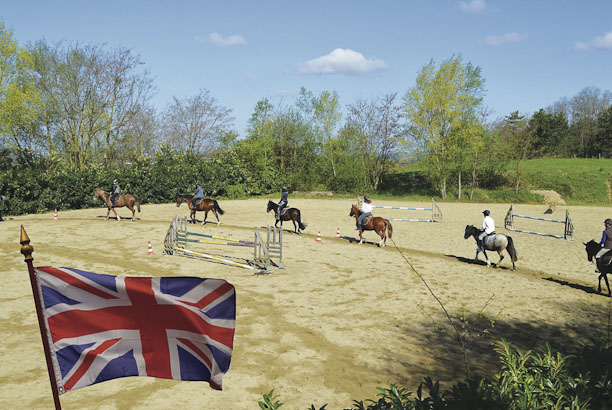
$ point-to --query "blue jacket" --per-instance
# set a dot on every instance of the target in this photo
(198, 193)
(284, 198)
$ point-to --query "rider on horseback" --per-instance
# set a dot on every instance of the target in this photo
(197, 196)
(115, 192)
(366, 210)
(606, 241)
(488, 228)
(282, 204)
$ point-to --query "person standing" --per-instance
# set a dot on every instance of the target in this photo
(488, 228)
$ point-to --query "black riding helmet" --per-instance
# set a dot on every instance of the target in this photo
(486, 212)
(608, 222)
(284, 189)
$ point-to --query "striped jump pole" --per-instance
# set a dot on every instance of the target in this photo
(213, 258)
(568, 232)
(436, 214)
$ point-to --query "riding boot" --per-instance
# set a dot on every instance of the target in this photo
(480, 245)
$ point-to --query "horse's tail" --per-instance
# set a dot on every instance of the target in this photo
(389, 228)
(217, 207)
(299, 220)
(512, 249)
(137, 200)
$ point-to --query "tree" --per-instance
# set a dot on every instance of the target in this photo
(196, 124)
(377, 130)
(444, 99)
(518, 140)
(603, 133)
(547, 131)
(327, 115)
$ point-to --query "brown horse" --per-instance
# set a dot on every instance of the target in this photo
(127, 200)
(380, 225)
(289, 214)
(205, 205)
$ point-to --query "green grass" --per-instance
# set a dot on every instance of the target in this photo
(578, 181)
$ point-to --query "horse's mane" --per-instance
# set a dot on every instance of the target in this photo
(185, 196)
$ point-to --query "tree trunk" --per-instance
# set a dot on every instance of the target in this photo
(459, 192)
(443, 188)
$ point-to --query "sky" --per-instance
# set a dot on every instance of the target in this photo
(531, 53)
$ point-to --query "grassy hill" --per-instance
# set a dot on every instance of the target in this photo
(578, 181)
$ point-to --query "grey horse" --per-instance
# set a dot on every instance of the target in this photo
(497, 242)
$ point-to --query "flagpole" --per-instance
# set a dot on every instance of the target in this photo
(26, 250)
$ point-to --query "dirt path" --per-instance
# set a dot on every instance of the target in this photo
(339, 321)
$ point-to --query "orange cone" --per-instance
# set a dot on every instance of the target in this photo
(55, 215)
(338, 233)
(150, 250)
(319, 237)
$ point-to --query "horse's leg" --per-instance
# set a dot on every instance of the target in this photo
(484, 252)
(599, 282)
(383, 238)
(216, 216)
(295, 230)
(107, 212)
(116, 215)
(131, 208)
(360, 235)
(501, 258)
(205, 216)
(607, 284)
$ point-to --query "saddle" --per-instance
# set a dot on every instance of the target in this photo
(486, 241)
(366, 220)
(605, 260)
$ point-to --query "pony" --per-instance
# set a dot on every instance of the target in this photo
(378, 224)
(605, 263)
(289, 214)
(497, 242)
(127, 200)
(205, 205)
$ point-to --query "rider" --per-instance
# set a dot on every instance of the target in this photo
(488, 228)
(115, 192)
(282, 204)
(197, 196)
(366, 210)
(606, 240)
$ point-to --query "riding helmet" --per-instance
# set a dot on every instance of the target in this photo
(608, 222)
(366, 198)
(284, 189)
(199, 184)
(115, 181)
(486, 212)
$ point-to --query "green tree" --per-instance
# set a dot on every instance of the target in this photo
(548, 130)
(518, 142)
(603, 134)
(442, 101)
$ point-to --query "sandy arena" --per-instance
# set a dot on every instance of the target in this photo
(338, 321)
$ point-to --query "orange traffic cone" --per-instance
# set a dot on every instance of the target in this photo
(55, 215)
(319, 237)
(338, 233)
(150, 250)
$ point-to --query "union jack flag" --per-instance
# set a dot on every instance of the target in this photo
(103, 327)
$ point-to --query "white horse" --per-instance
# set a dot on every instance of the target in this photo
(497, 242)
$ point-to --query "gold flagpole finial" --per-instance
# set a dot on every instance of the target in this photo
(26, 248)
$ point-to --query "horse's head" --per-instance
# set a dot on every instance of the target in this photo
(354, 210)
(469, 231)
(179, 201)
(271, 206)
(591, 248)
(99, 194)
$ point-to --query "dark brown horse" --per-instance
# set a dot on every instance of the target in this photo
(127, 200)
(289, 214)
(205, 205)
(604, 265)
(378, 224)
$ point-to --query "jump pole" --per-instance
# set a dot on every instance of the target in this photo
(436, 213)
(568, 232)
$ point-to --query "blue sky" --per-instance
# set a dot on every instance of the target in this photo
(531, 52)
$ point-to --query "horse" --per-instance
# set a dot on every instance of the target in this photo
(289, 214)
(497, 242)
(605, 263)
(205, 205)
(127, 200)
(378, 224)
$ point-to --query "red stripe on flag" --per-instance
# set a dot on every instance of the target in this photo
(212, 296)
(61, 275)
(86, 364)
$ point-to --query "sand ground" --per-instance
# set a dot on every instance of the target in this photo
(338, 321)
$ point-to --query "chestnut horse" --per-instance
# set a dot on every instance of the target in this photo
(378, 224)
(205, 205)
(127, 200)
(289, 214)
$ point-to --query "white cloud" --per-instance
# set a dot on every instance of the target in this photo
(342, 61)
(598, 43)
(474, 6)
(508, 38)
(218, 40)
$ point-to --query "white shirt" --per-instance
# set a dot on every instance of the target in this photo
(488, 225)
(365, 207)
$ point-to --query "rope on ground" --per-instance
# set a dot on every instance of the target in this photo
(459, 335)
